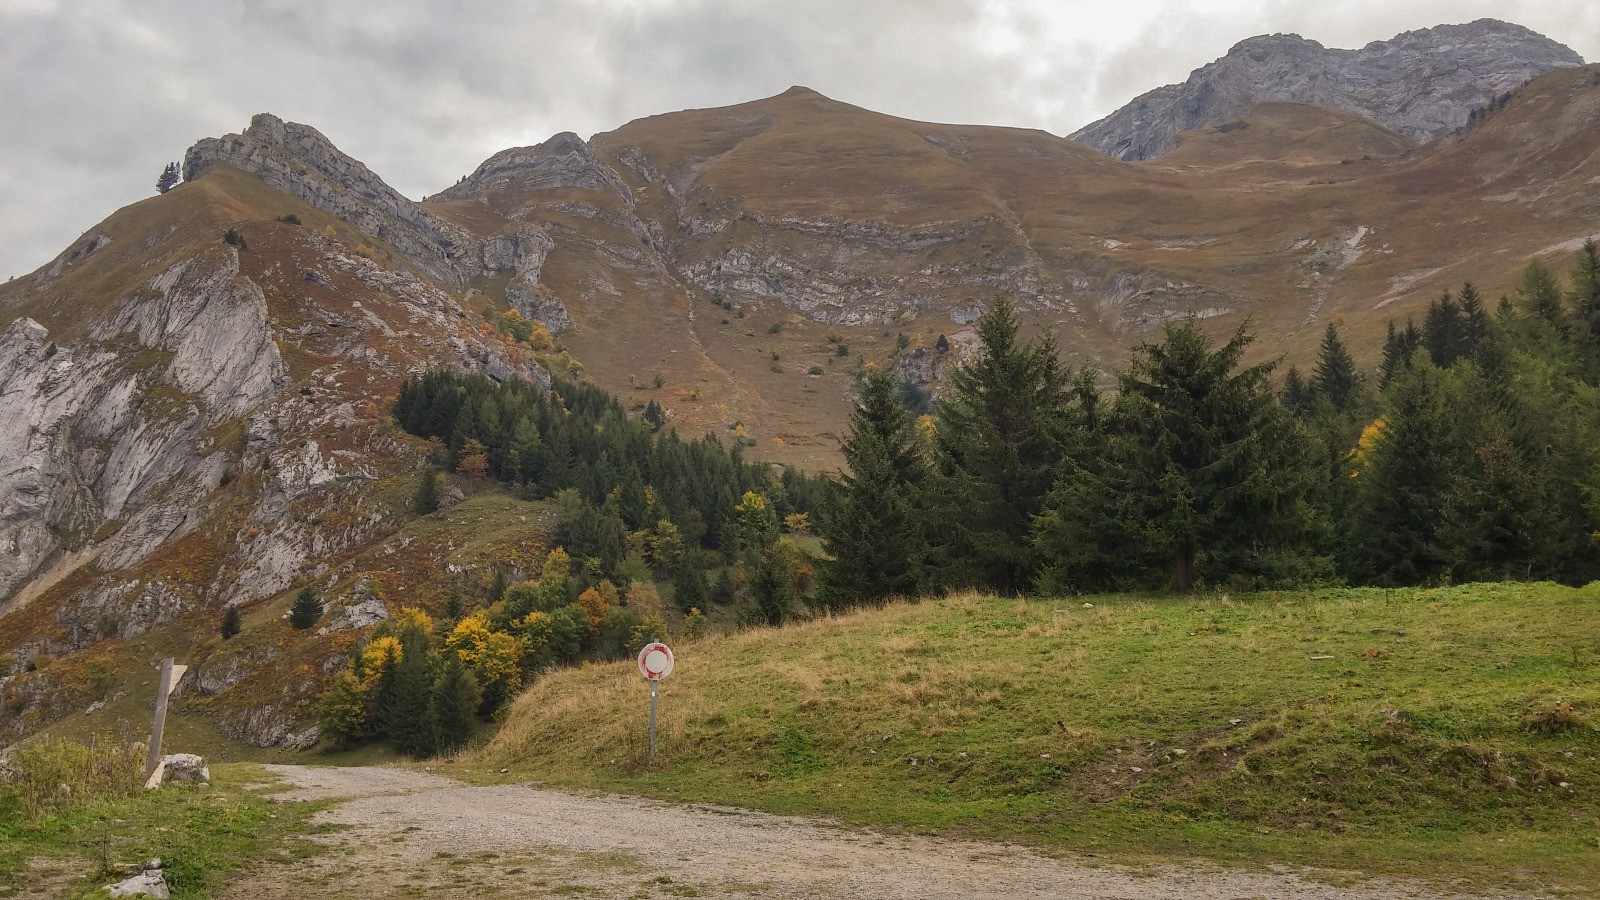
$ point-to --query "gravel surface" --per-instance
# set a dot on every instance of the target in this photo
(411, 834)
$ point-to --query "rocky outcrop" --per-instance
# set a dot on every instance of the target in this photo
(563, 161)
(298, 160)
(108, 429)
(1422, 84)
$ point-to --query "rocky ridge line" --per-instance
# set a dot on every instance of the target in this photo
(1422, 84)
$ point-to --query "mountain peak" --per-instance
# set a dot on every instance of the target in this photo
(1422, 84)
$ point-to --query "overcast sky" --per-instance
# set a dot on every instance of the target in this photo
(97, 95)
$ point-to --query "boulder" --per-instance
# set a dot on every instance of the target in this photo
(184, 768)
(148, 883)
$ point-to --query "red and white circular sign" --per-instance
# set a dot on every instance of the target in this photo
(655, 661)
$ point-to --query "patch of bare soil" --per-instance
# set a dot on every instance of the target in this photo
(409, 834)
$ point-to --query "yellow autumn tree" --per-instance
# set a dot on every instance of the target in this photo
(594, 607)
(411, 617)
(1362, 452)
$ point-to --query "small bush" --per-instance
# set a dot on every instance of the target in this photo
(232, 236)
(842, 350)
(232, 622)
(774, 328)
(290, 219)
(814, 370)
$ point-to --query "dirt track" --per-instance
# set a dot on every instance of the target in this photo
(411, 834)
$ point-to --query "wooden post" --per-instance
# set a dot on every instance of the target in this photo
(162, 691)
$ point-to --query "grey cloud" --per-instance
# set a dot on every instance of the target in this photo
(98, 96)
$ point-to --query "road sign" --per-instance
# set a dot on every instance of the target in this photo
(655, 661)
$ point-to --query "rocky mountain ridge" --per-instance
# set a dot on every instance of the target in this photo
(1422, 84)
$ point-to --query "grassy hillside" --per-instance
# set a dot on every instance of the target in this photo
(1408, 731)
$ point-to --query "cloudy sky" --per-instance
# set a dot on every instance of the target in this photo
(97, 95)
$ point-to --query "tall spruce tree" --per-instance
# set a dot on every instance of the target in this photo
(999, 437)
(1201, 466)
(875, 532)
(406, 721)
(1406, 485)
(1335, 376)
(452, 705)
(1398, 347)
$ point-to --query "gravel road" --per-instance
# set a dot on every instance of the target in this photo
(411, 834)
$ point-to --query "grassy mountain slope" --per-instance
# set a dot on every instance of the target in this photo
(1407, 731)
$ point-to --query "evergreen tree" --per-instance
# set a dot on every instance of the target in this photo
(451, 708)
(1405, 487)
(1298, 396)
(689, 584)
(1539, 295)
(1201, 466)
(1398, 348)
(426, 498)
(1335, 376)
(1474, 320)
(232, 621)
(169, 178)
(875, 531)
(772, 586)
(1444, 331)
(999, 439)
(723, 593)
(307, 608)
(406, 721)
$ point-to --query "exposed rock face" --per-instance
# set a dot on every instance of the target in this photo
(1422, 84)
(99, 429)
(298, 160)
(564, 161)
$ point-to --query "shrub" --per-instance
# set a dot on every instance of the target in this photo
(232, 236)
(290, 219)
(232, 622)
(774, 328)
(51, 774)
(814, 370)
(841, 350)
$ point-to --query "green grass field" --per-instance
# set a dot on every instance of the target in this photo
(1448, 734)
(72, 847)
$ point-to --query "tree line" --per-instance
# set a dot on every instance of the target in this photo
(1470, 454)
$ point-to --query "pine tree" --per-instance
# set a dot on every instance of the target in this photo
(1298, 396)
(1474, 320)
(1406, 486)
(426, 498)
(307, 608)
(169, 178)
(875, 532)
(1539, 294)
(1201, 465)
(999, 439)
(406, 720)
(1444, 331)
(723, 593)
(451, 708)
(232, 622)
(690, 587)
(1335, 376)
(1398, 347)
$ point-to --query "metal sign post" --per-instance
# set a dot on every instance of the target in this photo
(655, 664)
